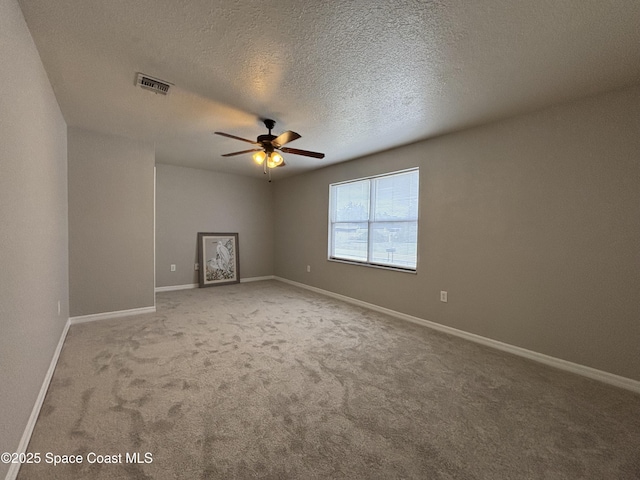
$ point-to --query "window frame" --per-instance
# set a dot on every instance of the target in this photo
(370, 222)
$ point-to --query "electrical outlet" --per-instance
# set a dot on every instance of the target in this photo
(308, 268)
(173, 267)
(443, 296)
(59, 308)
(196, 266)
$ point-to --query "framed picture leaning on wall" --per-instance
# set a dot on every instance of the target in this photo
(218, 259)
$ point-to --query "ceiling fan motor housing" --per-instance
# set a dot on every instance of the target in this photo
(265, 141)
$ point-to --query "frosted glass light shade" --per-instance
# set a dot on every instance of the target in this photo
(259, 157)
(274, 160)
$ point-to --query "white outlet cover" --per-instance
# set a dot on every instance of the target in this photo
(443, 296)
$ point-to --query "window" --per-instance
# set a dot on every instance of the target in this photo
(375, 220)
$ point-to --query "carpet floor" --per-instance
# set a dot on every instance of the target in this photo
(266, 380)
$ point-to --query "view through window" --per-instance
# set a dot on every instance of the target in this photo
(375, 220)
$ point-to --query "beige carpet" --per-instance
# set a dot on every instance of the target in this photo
(265, 380)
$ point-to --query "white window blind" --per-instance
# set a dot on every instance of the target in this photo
(375, 220)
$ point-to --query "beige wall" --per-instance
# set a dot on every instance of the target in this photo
(189, 201)
(531, 224)
(33, 226)
(111, 183)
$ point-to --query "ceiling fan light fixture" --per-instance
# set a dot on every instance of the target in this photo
(265, 154)
(259, 157)
(274, 160)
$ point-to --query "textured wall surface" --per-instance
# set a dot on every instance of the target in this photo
(110, 223)
(189, 201)
(33, 225)
(531, 224)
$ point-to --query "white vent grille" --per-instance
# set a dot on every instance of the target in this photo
(153, 84)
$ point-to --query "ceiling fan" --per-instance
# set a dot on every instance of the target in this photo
(266, 153)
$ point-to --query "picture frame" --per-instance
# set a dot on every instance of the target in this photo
(218, 259)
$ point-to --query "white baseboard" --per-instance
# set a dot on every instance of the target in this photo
(171, 288)
(103, 316)
(256, 279)
(14, 468)
(188, 286)
(605, 377)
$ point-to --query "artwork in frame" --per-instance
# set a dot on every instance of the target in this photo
(218, 258)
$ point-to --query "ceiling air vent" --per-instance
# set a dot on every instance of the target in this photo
(153, 84)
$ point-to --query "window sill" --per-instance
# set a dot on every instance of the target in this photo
(414, 271)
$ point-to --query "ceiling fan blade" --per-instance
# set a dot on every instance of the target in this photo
(306, 153)
(243, 151)
(237, 138)
(285, 137)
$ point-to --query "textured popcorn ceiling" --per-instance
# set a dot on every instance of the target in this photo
(352, 77)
